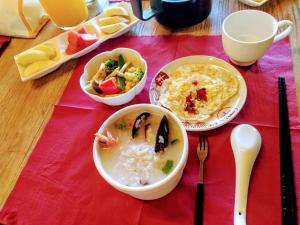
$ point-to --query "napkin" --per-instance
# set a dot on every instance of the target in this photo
(60, 184)
(21, 18)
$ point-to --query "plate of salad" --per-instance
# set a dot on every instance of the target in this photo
(114, 77)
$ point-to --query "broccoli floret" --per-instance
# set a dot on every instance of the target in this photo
(134, 76)
(139, 73)
(111, 63)
(131, 76)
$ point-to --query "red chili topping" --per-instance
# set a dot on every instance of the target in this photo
(195, 82)
(201, 94)
(160, 78)
(189, 97)
(189, 104)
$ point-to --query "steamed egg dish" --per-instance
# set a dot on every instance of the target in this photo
(195, 92)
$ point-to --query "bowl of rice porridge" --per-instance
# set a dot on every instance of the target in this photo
(141, 150)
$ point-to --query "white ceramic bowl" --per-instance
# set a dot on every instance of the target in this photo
(93, 65)
(156, 190)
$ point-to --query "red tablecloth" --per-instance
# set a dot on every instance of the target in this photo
(3, 40)
(60, 184)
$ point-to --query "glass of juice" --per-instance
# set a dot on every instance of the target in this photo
(66, 14)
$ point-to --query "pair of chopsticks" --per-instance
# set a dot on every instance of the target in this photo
(288, 196)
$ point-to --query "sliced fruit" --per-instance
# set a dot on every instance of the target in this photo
(30, 56)
(122, 19)
(79, 41)
(82, 30)
(37, 66)
(109, 29)
(112, 20)
(85, 40)
(92, 28)
(72, 42)
(116, 11)
(48, 49)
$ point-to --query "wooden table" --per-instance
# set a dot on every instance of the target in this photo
(27, 107)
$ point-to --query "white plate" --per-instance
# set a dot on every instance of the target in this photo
(60, 42)
(228, 111)
(253, 3)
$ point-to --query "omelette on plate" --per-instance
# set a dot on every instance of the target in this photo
(194, 92)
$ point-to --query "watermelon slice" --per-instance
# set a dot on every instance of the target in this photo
(78, 40)
(73, 42)
(86, 39)
(82, 30)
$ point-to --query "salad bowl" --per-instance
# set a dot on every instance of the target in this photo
(130, 56)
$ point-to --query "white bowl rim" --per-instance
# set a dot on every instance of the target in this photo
(111, 52)
(173, 173)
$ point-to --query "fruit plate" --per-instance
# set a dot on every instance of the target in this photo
(60, 43)
(228, 110)
(254, 3)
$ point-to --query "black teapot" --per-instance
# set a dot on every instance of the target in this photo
(174, 13)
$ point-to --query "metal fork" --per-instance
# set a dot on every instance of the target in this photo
(202, 152)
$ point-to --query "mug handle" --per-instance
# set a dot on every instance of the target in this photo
(154, 9)
(286, 32)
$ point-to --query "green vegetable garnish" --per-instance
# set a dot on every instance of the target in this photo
(122, 125)
(175, 141)
(110, 66)
(168, 167)
(111, 63)
(139, 73)
(121, 82)
(121, 61)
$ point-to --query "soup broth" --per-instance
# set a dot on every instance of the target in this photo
(133, 161)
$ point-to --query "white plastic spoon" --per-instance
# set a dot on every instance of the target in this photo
(245, 142)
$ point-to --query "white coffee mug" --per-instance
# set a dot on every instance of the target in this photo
(247, 35)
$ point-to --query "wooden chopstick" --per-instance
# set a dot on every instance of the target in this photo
(288, 196)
